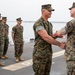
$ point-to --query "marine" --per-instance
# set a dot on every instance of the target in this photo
(17, 36)
(42, 53)
(69, 29)
(6, 39)
(2, 33)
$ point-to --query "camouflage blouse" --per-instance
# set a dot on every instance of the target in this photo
(41, 47)
(70, 44)
(6, 31)
(18, 34)
(2, 30)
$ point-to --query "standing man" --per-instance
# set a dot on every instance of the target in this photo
(2, 37)
(0, 17)
(17, 36)
(42, 54)
(69, 29)
(6, 40)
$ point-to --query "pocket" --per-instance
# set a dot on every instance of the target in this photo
(41, 54)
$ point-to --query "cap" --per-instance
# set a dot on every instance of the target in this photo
(4, 18)
(19, 19)
(47, 7)
(73, 6)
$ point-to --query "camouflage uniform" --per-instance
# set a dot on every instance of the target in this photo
(0, 21)
(0, 18)
(69, 29)
(18, 40)
(2, 32)
(6, 40)
(42, 54)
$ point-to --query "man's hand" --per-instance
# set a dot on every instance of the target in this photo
(55, 35)
(63, 45)
(58, 34)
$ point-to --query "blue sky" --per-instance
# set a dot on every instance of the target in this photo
(30, 10)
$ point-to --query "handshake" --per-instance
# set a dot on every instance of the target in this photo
(58, 34)
(62, 45)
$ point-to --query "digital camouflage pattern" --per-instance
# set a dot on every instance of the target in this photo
(18, 40)
(18, 49)
(2, 33)
(0, 21)
(6, 40)
(47, 7)
(42, 54)
(70, 44)
(70, 47)
(70, 67)
(73, 6)
(2, 29)
(6, 31)
(18, 34)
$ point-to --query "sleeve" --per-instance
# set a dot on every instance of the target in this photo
(38, 28)
(64, 30)
(13, 30)
(70, 27)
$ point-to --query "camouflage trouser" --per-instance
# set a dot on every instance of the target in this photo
(1, 46)
(42, 66)
(18, 49)
(70, 67)
(6, 42)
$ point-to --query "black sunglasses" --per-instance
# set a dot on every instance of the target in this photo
(49, 10)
